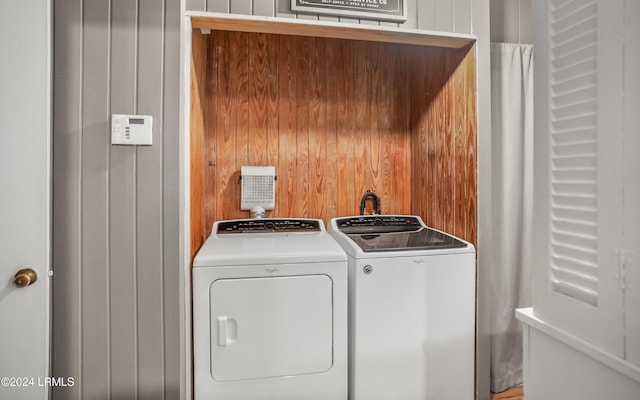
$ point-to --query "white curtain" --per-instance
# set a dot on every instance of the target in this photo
(512, 176)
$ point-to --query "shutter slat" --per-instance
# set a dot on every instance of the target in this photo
(574, 81)
(578, 121)
(568, 149)
(574, 162)
(574, 214)
(577, 56)
(574, 241)
(579, 95)
(576, 291)
(579, 175)
(584, 67)
(571, 109)
(573, 188)
(578, 36)
(579, 227)
(566, 200)
(566, 17)
(585, 281)
(574, 136)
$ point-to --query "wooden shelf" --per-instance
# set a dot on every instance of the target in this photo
(324, 29)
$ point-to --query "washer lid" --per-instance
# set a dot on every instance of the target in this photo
(385, 233)
(420, 239)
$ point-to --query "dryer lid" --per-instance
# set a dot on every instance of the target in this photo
(268, 241)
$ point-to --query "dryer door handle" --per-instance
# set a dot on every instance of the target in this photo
(227, 331)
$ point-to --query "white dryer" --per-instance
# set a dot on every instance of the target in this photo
(411, 309)
(270, 312)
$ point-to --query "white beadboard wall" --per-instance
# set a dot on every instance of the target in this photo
(511, 21)
(117, 304)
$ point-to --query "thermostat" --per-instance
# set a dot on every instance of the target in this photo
(131, 129)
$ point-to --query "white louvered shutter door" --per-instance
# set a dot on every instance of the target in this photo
(579, 147)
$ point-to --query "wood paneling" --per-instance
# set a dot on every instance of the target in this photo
(336, 117)
(197, 142)
(444, 140)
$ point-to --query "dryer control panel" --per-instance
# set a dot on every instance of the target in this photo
(268, 225)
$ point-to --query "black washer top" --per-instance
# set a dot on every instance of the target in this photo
(395, 233)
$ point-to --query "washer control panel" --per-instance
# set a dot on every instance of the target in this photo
(378, 223)
(268, 226)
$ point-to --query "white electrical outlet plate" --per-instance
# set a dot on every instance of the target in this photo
(131, 129)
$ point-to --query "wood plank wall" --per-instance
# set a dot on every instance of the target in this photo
(336, 117)
(445, 141)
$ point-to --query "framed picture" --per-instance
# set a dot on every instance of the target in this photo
(389, 10)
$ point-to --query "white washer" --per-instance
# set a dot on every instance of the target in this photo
(270, 312)
(411, 309)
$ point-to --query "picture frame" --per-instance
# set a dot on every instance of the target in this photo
(382, 10)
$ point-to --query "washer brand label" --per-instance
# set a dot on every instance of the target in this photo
(272, 270)
(419, 261)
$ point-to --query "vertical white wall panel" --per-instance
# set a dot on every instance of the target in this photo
(462, 16)
(196, 5)
(122, 201)
(426, 14)
(283, 8)
(243, 7)
(525, 28)
(94, 244)
(149, 290)
(444, 15)
(95, 182)
(511, 21)
(412, 10)
(169, 125)
(221, 6)
(264, 8)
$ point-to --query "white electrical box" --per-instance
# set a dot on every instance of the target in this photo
(131, 129)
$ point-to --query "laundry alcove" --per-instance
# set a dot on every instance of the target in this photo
(338, 109)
